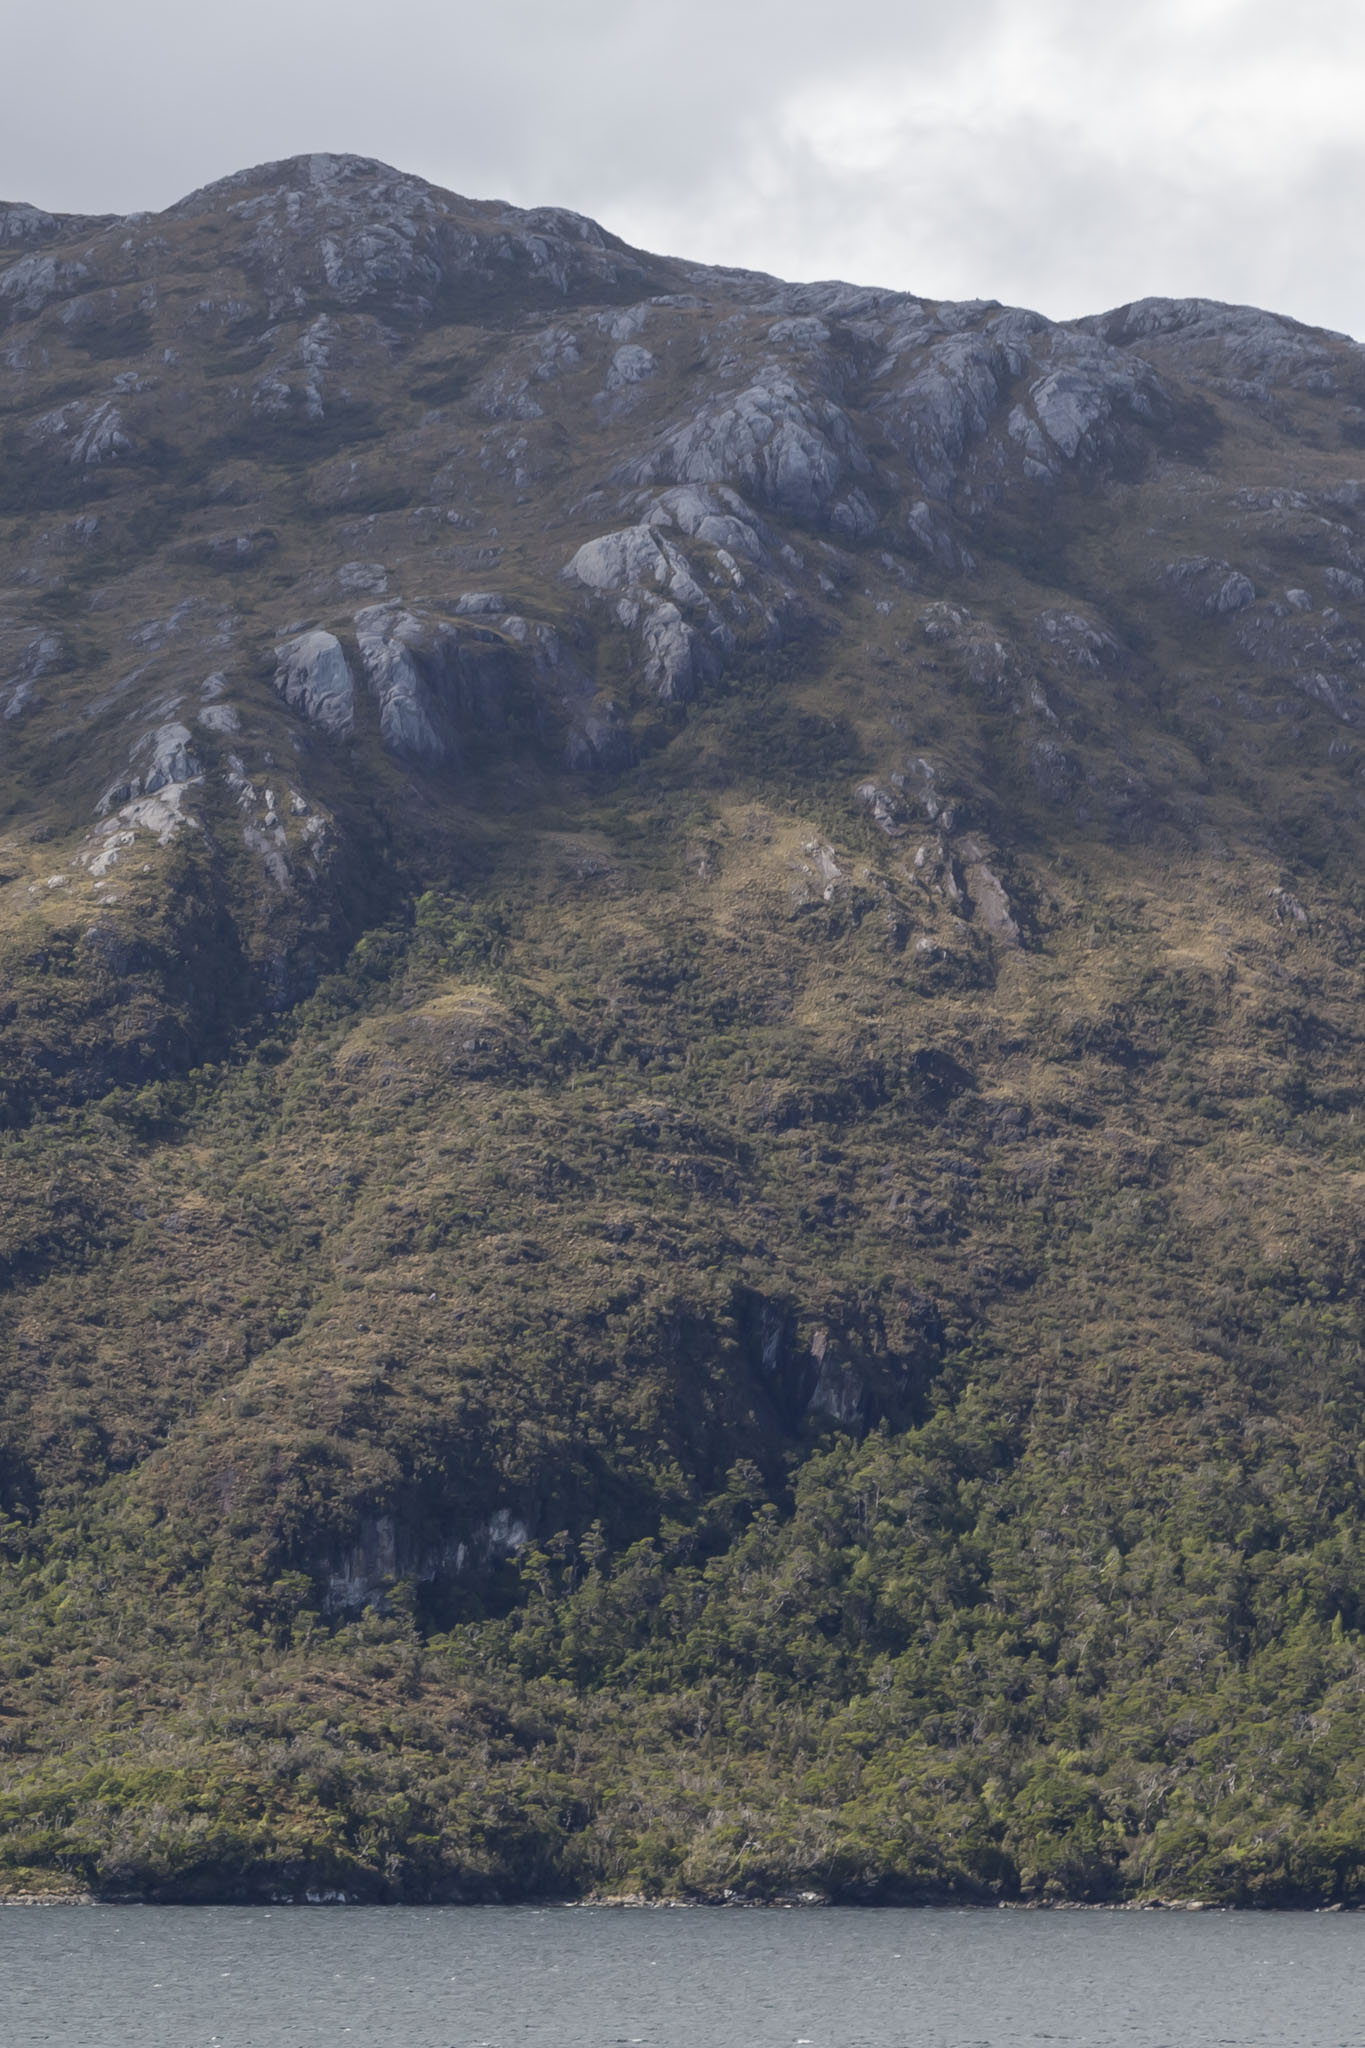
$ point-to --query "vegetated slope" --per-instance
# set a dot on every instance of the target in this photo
(682, 1166)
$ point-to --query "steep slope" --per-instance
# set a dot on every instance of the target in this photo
(682, 1177)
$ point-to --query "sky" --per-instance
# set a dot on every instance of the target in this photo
(1066, 155)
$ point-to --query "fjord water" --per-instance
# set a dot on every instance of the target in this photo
(210, 1977)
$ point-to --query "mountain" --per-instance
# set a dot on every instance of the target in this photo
(680, 1020)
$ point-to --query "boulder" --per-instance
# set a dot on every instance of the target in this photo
(631, 365)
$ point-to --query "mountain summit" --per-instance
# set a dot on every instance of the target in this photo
(680, 1072)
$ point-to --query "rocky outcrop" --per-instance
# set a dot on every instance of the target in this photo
(313, 675)
(297, 379)
(1208, 587)
(349, 231)
(718, 517)
(1244, 352)
(636, 557)
(947, 401)
(988, 895)
(794, 450)
(169, 757)
(87, 433)
(36, 282)
(631, 365)
(837, 1368)
(1078, 641)
(439, 683)
(161, 814)
(1088, 397)
(388, 639)
(364, 1572)
(29, 227)
(45, 654)
(689, 611)
(158, 760)
(652, 580)
(1317, 651)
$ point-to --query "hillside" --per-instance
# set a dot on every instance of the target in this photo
(680, 1073)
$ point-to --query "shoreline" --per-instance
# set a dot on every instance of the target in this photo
(635, 1902)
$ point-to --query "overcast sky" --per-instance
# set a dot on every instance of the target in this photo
(1061, 154)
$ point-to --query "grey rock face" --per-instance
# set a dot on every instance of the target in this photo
(887, 810)
(947, 377)
(88, 434)
(720, 518)
(1248, 352)
(1079, 408)
(557, 354)
(35, 282)
(641, 562)
(624, 323)
(440, 683)
(101, 437)
(635, 557)
(368, 579)
(792, 449)
(386, 637)
(1080, 642)
(1316, 651)
(631, 365)
(162, 761)
(30, 227)
(934, 538)
(945, 404)
(1335, 693)
(1055, 774)
(802, 332)
(1209, 587)
(220, 718)
(840, 1392)
(333, 224)
(362, 1573)
(676, 659)
(170, 758)
(44, 655)
(297, 380)
(351, 231)
(990, 900)
(313, 676)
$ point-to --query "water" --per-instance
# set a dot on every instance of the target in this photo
(211, 1977)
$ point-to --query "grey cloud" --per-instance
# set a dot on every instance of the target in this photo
(1043, 152)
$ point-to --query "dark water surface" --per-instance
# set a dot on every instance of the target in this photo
(412, 1977)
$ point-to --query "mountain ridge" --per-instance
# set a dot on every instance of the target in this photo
(681, 1072)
